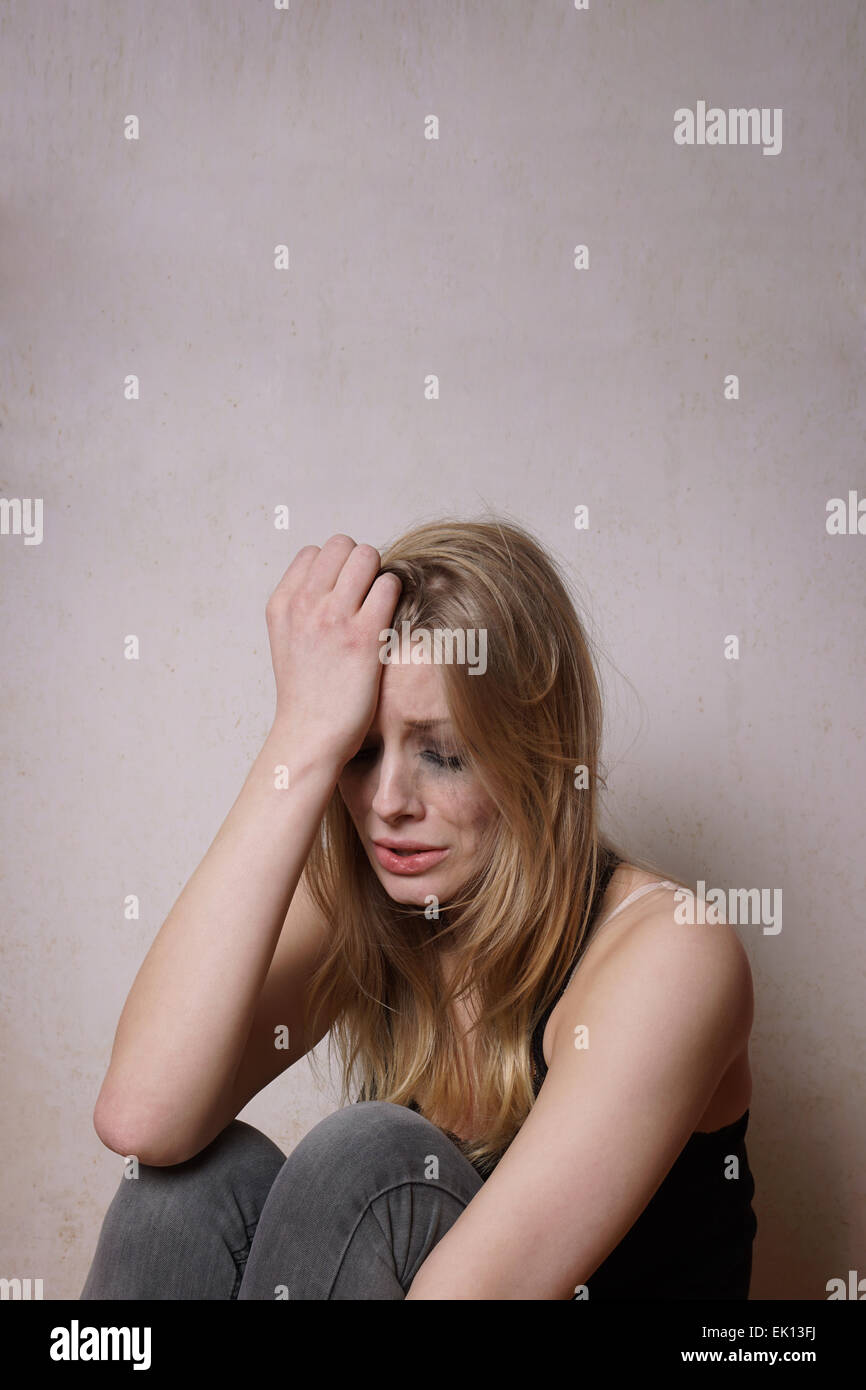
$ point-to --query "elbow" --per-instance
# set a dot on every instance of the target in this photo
(128, 1137)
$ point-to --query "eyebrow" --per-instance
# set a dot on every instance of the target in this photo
(425, 723)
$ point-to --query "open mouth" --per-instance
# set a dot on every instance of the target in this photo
(408, 859)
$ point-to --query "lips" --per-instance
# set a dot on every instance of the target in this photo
(407, 856)
(402, 846)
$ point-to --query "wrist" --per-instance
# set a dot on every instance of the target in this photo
(304, 760)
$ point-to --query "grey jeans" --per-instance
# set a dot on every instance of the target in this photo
(352, 1213)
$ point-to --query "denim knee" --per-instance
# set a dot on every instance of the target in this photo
(371, 1144)
(184, 1231)
(357, 1206)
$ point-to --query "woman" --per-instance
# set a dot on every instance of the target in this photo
(552, 1071)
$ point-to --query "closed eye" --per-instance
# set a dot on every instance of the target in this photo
(452, 762)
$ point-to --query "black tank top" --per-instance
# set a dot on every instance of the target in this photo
(694, 1238)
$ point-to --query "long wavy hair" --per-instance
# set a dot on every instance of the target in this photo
(530, 729)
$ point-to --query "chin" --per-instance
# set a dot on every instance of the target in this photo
(412, 894)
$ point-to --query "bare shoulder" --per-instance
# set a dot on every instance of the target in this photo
(659, 918)
(652, 950)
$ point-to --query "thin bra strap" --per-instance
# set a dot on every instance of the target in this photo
(638, 893)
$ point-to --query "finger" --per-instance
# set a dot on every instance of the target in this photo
(329, 561)
(297, 572)
(381, 601)
(356, 576)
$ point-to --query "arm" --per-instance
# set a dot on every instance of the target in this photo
(195, 1040)
(168, 1089)
(667, 1012)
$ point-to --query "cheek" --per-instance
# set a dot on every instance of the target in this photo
(485, 811)
(472, 811)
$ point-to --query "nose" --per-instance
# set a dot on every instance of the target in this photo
(396, 793)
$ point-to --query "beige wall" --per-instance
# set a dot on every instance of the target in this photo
(558, 386)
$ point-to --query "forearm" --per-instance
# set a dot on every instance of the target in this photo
(183, 1027)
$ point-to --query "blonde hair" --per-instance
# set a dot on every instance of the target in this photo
(525, 727)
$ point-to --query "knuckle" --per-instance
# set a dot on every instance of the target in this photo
(304, 600)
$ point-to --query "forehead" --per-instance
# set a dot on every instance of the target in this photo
(412, 691)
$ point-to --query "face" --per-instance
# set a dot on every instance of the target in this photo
(406, 788)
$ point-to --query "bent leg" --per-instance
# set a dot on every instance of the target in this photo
(357, 1207)
(185, 1231)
